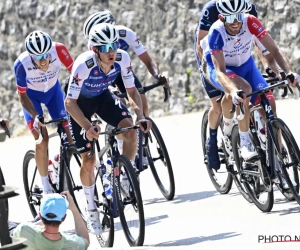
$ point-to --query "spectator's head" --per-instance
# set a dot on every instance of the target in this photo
(53, 209)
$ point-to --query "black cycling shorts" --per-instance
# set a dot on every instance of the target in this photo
(119, 83)
(107, 106)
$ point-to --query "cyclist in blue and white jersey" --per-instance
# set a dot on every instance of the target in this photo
(229, 64)
(88, 93)
(127, 39)
(36, 71)
(209, 15)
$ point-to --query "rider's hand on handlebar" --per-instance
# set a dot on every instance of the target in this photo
(113, 89)
(93, 132)
(37, 123)
(145, 125)
(167, 79)
(236, 99)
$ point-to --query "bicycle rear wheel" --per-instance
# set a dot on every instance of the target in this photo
(133, 199)
(221, 179)
(289, 159)
(167, 189)
(252, 184)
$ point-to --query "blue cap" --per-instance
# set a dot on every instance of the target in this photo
(55, 204)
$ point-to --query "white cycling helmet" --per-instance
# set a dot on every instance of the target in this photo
(38, 43)
(230, 7)
(102, 34)
(99, 17)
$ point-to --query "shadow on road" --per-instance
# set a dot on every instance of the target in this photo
(183, 198)
(195, 240)
(148, 221)
(289, 211)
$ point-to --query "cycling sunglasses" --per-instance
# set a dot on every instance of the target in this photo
(105, 48)
(38, 58)
(230, 19)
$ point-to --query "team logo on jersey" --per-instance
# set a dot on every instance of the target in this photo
(237, 42)
(137, 40)
(260, 29)
(90, 63)
(96, 72)
(119, 57)
(122, 33)
(129, 69)
(76, 79)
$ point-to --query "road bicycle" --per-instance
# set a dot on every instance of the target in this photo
(152, 146)
(259, 174)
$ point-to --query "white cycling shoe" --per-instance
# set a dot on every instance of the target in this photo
(93, 222)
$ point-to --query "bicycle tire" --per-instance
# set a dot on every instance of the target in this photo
(124, 161)
(267, 207)
(27, 158)
(2, 180)
(221, 188)
(292, 145)
(169, 195)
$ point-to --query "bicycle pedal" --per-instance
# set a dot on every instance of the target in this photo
(231, 170)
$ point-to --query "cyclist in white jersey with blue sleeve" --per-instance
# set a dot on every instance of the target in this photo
(88, 93)
(36, 71)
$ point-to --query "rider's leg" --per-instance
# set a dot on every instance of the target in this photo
(41, 154)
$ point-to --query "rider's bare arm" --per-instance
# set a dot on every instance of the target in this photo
(27, 104)
(135, 101)
(220, 66)
(201, 34)
(149, 63)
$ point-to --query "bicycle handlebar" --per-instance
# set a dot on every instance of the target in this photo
(111, 132)
(160, 81)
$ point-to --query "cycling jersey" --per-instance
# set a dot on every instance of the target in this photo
(128, 39)
(88, 81)
(237, 49)
(28, 76)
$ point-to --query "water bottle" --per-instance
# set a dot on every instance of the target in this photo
(261, 130)
(56, 166)
(51, 172)
(106, 182)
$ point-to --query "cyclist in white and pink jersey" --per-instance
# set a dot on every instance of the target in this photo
(36, 71)
(230, 66)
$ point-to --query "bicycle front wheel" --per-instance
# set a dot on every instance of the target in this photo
(290, 157)
(135, 234)
(167, 188)
(2, 180)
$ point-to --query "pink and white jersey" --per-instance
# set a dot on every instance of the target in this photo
(237, 49)
(28, 76)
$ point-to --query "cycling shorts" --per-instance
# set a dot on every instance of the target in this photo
(211, 91)
(119, 83)
(107, 106)
(53, 99)
(248, 71)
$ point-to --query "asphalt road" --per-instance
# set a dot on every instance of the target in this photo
(198, 217)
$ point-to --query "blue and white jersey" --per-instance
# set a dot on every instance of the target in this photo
(128, 39)
(88, 81)
(28, 76)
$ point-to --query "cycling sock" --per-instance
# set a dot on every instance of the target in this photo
(244, 138)
(89, 195)
(213, 135)
(46, 185)
(120, 145)
(228, 124)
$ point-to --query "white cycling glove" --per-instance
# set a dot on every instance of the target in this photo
(36, 122)
(235, 99)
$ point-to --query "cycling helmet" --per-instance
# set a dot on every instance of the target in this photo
(99, 17)
(229, 7)
(38, 43)
(102, 34)
(249, 6)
